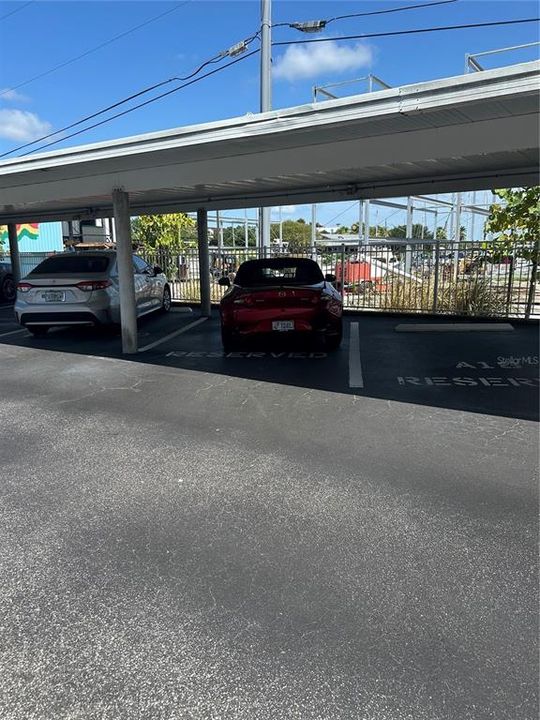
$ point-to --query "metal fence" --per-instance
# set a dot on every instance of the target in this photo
(424, 277)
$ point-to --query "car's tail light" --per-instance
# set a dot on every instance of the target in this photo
(243, 300)
(24, 287)
(89, 285)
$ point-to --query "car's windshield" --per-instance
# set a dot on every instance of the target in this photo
(283, 271)
(72, 263)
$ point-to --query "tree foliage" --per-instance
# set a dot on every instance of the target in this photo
(173, 232)
(516, 222)
(418, 231)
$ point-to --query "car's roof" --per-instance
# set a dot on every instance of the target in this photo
(280, 262)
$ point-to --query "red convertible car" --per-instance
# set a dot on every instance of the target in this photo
(279, 296)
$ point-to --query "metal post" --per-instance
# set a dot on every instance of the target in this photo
(14, 253)
(366, 222)
(532, 288)
(124, 259)
(313, 225)
(436, 277)
(246, 230)
(510, 284)
(457, 235)
(473, 216)
(280, 226)
(219, 234)
(266, 97)
(343, 271)
(204, 262)
(408, 234)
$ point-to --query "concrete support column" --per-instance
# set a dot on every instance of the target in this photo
(204, 262)
(14, 252)
(124, 256)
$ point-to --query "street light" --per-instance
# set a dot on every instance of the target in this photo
(312, 26)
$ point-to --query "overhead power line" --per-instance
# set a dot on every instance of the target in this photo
(321, 24)
(364, 36)
(17, 9)
(143, 104)
(94, 49)
(233, 51)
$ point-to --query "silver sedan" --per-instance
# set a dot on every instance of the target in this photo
(82, 289)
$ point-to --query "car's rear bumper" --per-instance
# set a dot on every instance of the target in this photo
(52, 317)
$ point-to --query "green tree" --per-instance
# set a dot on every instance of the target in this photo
(440, 233)
(418, 231)
(297, 234)
(516, 223)
(174, 232)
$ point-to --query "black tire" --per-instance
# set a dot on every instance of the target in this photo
(227, 340)
(166, 301)
(333, 340)
(38, 330)
(8, 290)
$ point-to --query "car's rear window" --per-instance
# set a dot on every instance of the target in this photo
(282, 271)
(72, 263)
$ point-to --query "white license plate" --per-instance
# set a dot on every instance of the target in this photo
(54, 296)
(283, 325)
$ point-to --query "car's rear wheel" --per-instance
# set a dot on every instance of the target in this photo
(8, 289)
(166, 301)
(38, 330)
(333, 339)
(227, 340)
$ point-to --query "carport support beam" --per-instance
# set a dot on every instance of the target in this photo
(204, 263)
(124, 258)
(14, 253)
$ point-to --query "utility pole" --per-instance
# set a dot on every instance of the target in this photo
(266, 99)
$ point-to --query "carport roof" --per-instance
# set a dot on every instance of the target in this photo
(467, 132)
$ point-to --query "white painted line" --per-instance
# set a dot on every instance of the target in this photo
(454, 327)
(181, 309)
(12, 332)
(172, 335)
(356, 379)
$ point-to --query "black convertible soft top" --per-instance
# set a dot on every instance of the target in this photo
(278, 271)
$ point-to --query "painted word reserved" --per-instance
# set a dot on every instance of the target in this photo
(441, 381)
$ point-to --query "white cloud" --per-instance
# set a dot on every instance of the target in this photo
(314, 60)
(288, 209)
(8, 95)
(22, 125)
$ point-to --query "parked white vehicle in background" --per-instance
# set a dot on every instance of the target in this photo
(82, 289)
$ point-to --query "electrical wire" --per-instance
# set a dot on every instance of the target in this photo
(147, 102)
(17, 9)
(94, 49)
(375, 12)
(144, 91)
(407, 32)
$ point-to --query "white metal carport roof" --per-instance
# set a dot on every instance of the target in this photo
(473, 131)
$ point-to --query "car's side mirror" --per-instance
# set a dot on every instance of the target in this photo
(330, 278)
(157, 270)
(224, 282)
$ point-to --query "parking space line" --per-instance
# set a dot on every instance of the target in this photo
(13, 332)
(454, 327)
(172, 335)
(356, 378)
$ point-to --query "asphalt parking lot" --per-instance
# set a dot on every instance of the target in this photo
(276, 533)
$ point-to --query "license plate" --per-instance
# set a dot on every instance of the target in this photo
(54, 296)
(283, 325)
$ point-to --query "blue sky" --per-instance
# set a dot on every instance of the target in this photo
(44, 34)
